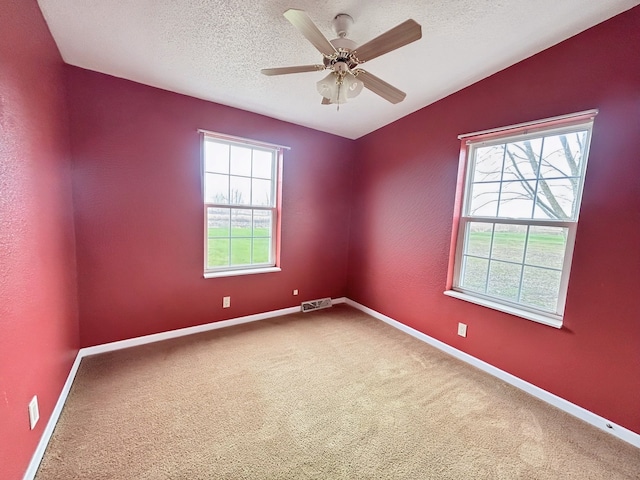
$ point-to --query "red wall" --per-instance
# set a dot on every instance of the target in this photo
(139, 214)
(38, 316)
(403, 208)
(383, 241)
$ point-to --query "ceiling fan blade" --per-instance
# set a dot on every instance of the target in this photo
(325, 101)
(397, 37)
(380, 87)
(296, 69)
(302, 22)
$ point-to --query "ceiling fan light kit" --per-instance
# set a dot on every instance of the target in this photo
(342, 56)
(337, 89)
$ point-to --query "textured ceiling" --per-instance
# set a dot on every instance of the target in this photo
(214, 49)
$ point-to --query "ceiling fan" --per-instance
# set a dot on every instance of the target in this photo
(343, 57)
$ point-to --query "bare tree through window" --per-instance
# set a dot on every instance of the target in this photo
(519, 216)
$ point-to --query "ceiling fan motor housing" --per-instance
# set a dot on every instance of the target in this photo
(343, 43)
(344, 47)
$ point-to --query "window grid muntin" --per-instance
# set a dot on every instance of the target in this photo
(570, 224)
(461, 262)
(273, 180)
(230, 237)
(275, 153)
(539, 132)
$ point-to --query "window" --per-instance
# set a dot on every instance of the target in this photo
(518, 214)
(241, 205)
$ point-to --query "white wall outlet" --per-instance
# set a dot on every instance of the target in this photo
(34, 412)
(462, 329)
(226, 302)
(295, 292)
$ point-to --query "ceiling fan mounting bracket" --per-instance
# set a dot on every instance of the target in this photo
(341, 24)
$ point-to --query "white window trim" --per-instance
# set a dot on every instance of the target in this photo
(519, 132)
(503, 307)
(231, 270)
(568, 119)
(241, 271)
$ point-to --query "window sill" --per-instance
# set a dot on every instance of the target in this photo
(551, 321)
(246, 271)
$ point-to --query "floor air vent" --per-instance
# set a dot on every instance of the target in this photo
(316, 304)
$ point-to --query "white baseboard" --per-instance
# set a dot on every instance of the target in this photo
(558, 402)
(181, 332)
(589, 417)
(53, 420)
(132, 342)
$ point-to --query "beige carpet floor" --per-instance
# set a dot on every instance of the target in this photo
(332, 394)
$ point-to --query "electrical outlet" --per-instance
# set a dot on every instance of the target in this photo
(226, 302)
(295, 292)
(462, 330)
(34, 412)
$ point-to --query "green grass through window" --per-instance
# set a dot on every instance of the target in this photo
(543, 249)
(501, 275)
(239, 248)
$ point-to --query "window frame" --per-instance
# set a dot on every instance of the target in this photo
(276, 209)
(462, 217)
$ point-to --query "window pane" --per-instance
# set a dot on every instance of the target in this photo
(261, 193)
(516, 200)
(218, 222)
(240, 161)
(240, 190)
(262, 164)
(236, 177)
(261, 223)
(479, 239)
(488, 164)
(240, 251)
(261, 250)
(508, 242)
(474, 273)
(240, 222)
(562, 155)
(504, 280)
(520, 188)
(522, 160)
(484, 199)
(216, 157)
(216, 188)
(540, 288)
(557, 199)
(217, 252)
(546, 246)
